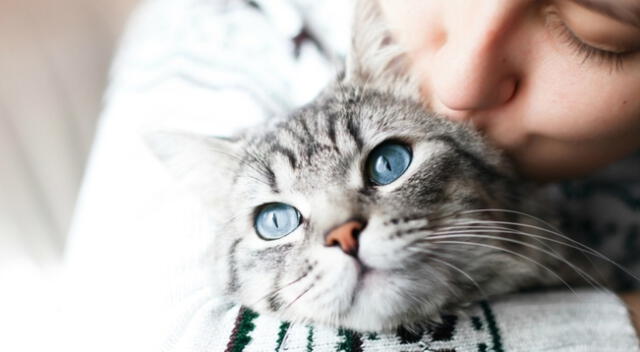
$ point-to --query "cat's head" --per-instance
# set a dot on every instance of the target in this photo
(338, 214)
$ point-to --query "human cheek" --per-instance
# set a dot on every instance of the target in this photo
(576, 102)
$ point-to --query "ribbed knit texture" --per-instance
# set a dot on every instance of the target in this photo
(555, 321)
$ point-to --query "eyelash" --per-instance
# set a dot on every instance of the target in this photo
(588, 52)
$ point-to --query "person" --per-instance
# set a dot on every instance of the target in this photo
(556, 84)
(560, 96)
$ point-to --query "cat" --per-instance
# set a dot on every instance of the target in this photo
(363, 209)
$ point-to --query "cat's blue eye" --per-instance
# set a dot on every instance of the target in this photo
(276, 220)
(387, 162)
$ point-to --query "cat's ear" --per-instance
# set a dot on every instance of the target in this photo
(375, 58)
(204, 164)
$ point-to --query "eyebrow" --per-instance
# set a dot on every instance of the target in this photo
(625, 11)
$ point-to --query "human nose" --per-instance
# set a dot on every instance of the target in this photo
(473, 69)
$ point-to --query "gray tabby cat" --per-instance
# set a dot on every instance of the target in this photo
(362, 209)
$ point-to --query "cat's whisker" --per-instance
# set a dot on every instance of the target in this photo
(446, 284)
(422, 251)
(273, 292)
(511, 223)
(299, 296)
(587, 253)
(577, 243)
(512, 253)
(588, 278)
(480, 211)
(583, 248)
(285, 338)
(475, 283)
(437, 229)
(510, 211)
(508, 230)
(436, 216)
(429, 218)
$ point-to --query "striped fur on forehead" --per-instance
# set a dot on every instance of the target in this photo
(329, 137)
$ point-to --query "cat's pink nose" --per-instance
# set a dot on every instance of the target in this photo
(346, 236)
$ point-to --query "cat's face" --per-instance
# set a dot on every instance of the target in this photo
(333, 215)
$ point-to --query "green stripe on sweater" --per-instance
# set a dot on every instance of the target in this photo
(282, 332)
(493, 327)
(351, 341)
(310, 339)
(240, 336)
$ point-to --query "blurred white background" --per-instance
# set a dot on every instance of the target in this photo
(54, 58)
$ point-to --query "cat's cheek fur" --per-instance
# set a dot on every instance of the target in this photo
(332, 286)
(382, 247)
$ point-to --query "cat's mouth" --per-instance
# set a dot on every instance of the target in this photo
(368, 278)
(363, 270)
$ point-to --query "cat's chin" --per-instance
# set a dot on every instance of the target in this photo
(382, 304)
(366, 298)
(379, 302)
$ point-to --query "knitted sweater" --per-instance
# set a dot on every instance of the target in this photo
(137, 264)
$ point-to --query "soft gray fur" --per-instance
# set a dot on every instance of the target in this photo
(406, 271)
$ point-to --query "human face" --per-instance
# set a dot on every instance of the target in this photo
(554, 83)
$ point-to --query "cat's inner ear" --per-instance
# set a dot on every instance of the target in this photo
(204, 164)
(375, 59)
